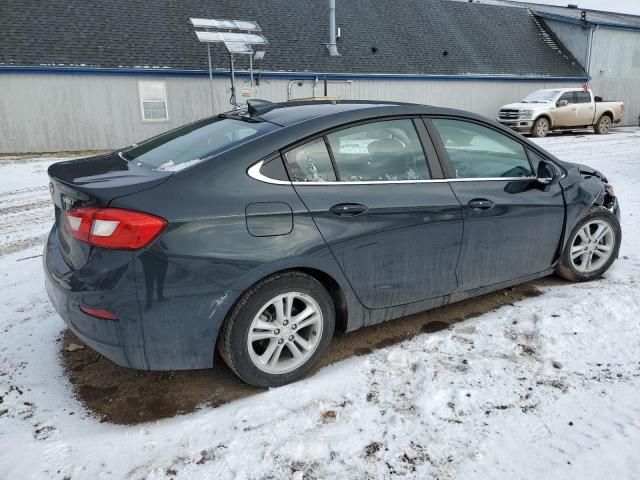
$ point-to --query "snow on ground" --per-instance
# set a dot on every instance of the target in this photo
(546, 388)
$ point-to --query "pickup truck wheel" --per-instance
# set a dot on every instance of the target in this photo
(603, 125)
(540, 127)
(592, 247)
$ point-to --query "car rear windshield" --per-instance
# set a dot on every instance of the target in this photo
(188, 145)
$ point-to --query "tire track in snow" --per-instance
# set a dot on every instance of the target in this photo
(25, 217)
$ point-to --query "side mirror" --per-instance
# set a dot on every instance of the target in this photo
(547, 173)
(562, 103)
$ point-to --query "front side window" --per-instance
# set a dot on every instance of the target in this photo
(153, 101)
(568, 96)
(379, 151)
(310, 162)
(476, 151)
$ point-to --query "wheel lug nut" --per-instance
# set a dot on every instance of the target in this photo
(294, 326)
(285, 323)
(280, 342)
(291, 338)
(276, 331)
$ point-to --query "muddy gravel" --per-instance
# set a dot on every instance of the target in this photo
(124, 396)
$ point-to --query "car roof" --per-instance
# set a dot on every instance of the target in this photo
(560, 89)
(290, 113)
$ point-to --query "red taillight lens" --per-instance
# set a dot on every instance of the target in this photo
(98, 312)
(114, 227)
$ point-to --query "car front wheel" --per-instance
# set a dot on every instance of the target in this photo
(278, 330)
(540, 127)
(592, 247)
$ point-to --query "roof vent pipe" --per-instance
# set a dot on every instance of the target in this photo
(333, 48)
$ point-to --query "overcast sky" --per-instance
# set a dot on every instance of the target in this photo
(622, 6)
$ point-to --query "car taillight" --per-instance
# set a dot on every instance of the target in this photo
(114, 227)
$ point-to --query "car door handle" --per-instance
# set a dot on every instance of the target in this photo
(480, 204)
(348, 209)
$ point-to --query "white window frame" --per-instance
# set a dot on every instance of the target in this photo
(141, 85)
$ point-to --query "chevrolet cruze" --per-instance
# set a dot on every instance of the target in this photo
(261, 232)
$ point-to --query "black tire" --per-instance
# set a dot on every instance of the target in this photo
(565, 267)
(540, 127)
(233, 335)
(603, 125)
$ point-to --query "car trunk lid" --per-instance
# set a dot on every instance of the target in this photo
(93, 182)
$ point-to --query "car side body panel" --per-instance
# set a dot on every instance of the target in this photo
(516, 237)
(402, 249)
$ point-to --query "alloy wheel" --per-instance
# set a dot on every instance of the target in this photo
(542, 128)
(285, 333)
(592, 246)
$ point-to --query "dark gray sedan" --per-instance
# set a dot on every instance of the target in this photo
(263, 231)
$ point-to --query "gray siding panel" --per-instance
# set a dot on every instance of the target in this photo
(615, 62)
(57, 112)
(574, 37)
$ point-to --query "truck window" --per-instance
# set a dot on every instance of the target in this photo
(568, 96)
(583, 97)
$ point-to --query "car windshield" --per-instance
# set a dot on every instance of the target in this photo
(188, 145)
(541, 96)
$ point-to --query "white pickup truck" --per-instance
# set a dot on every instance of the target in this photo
(560, 109)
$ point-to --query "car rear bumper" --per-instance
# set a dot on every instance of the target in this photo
(168, 319)
(78, 323)
(118, 340)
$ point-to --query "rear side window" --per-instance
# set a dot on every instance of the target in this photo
(476, 151)
(190, 144)
(379, 151)
(583, 97)
(311, 162)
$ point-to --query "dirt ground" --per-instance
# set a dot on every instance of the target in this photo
(124, 396)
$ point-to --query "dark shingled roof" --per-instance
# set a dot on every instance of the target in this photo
(411, 36)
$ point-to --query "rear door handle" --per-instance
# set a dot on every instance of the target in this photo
(348, 209)
(480, 204)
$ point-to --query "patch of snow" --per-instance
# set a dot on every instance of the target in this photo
(170, 166)
(545, 388)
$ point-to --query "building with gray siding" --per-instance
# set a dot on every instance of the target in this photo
(606, 44)
(84, 75)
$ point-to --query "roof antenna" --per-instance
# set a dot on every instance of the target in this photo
(255, 105)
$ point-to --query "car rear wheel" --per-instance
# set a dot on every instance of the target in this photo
(592, 247)
(278, 330)
(603, 125)
(540, 127)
